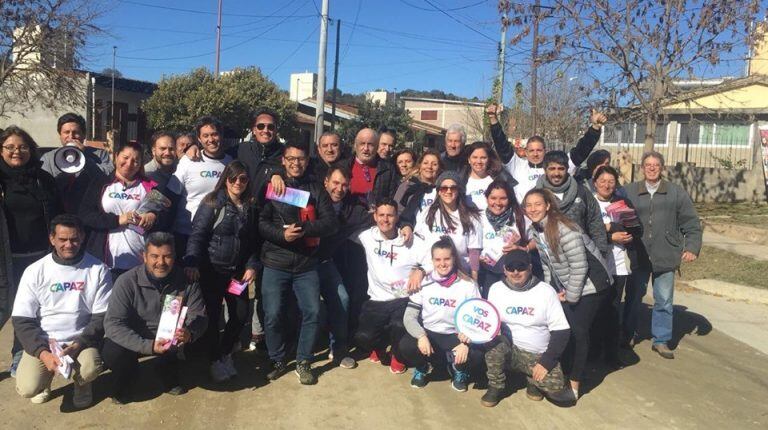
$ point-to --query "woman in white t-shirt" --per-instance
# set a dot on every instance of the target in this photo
(429, 320)
(109, 211)
(451, 216)
(622, 236)
(504, 229)
(483, 168)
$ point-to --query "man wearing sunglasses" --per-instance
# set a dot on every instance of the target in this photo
(292, 236)
(533, 337)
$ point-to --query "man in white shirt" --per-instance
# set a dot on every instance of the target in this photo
(534, 334)
(61, 303)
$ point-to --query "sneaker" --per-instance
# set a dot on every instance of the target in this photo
(375, 356)
(229, 365)
(82, 395)
(564, 398)
(492, 397)
(304, 372)
(219, 372)
(460, 380)
(533, 393)
(41, 397)
(176, 390)
(395, 366)
(419, 379)
(347, 363)
(278, 369)
(663, 350)
(15, 363)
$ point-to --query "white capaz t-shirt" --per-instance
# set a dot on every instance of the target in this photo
(125, 243)
(529, 315)
(464, 241)
(428, 199)
(475, 191)
(438, 303)
(63, 297)
(192, 180)
(617, 263)
(390, 263)
(527, 176)
(494, 241)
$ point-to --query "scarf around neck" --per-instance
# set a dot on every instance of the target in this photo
(498, 221)
(533, 280)
(446, 281)
(569, 188)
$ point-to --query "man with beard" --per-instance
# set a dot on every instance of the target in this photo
(163, 163)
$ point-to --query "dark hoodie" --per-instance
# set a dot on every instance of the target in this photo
(262, 161)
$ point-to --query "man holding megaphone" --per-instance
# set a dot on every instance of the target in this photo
(74, 165)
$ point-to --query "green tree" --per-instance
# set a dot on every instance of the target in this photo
(377, 117)
(179, 100)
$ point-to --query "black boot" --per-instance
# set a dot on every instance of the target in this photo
(533, 393)
(492, 397)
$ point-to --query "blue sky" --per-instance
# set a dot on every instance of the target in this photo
(392, 44)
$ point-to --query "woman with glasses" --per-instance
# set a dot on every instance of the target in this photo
(451, 216)
(418, 185)
(220, 254)
(575, 267)
(504, 229)
(28, 202)
(110, 211)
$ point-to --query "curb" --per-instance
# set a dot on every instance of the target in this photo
(730, 291)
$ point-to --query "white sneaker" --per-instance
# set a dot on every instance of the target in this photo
(229, 365)
(219, 372)
(83, 395)
(41, 397)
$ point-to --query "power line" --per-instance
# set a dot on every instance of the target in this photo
(311, 33)
(203, 12)
(447, 10)
(352, 32)
(437, 8)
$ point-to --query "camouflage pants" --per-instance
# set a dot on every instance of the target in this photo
(502, 356)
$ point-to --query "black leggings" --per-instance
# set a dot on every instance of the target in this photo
(381, 323)
(580, 316)
(606, 327)
(442, 344)
(214, 286)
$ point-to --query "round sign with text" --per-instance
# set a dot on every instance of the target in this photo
(478, 319)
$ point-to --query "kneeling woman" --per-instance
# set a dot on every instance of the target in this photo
(221, 250)
(435, 339)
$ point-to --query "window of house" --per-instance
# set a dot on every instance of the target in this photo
(720, 133)
(429, 115)
(630, 133)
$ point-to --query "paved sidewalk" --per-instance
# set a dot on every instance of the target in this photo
(737, 246)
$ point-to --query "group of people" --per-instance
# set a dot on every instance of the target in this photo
(389, 242)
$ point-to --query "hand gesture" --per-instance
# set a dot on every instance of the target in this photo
(127, 218)
(493, 110)
(597, 119)
(161, 346)
(50, 361)
(407, 233)
(182, 336)
(147, 220)
(414, 281)
(194, 153)
(249, 275)
(278, 185)
(424, 346)
(292, 232)
(72, 350)
(621, 237)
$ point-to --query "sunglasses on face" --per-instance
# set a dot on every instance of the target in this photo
(262, 126)
(446, 188)
(516, 267)
(240, 178)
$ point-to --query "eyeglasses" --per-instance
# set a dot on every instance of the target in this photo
(11, 149)
(262, 126)
(290, 160)
(243, 179)
(446, 188)
(516, 267)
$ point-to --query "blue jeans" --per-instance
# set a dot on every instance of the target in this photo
(306, 287)
(663, 284)
(336, 299)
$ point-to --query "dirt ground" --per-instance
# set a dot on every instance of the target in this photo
(715, 382)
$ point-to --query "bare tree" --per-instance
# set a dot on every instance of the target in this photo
(634, 49)
(41, 44)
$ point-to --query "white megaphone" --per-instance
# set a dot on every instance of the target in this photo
(69, 158)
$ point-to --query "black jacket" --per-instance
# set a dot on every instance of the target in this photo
(352, 216)
(455, 164)
(223, 235)
(296, 256)
(412, 200)
(262, 161)
(99, 222)
(386, 181)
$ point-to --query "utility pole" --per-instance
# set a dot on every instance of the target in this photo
(218, 42)
(112, 102)
(534, 69)
(320, 109)
(502, 49)
(335, 76)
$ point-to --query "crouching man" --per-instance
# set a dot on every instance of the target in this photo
(134, 314)
(60, 303)
(534, 335)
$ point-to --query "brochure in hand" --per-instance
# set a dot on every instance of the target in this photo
(169, 318)
(291, 196)
(65, 368)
